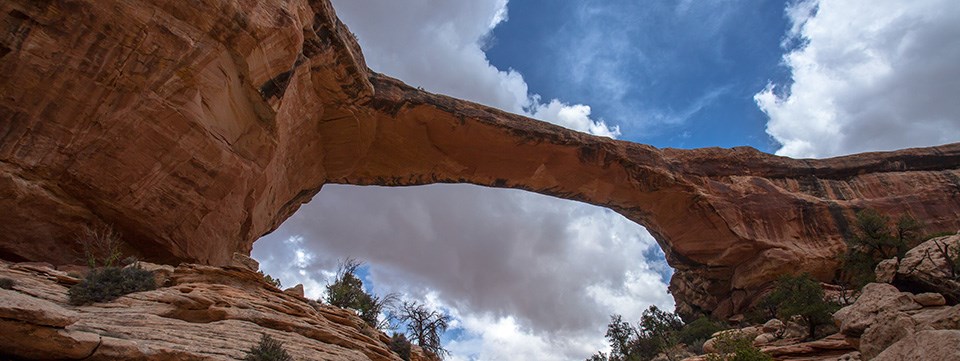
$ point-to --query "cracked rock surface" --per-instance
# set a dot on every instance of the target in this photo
(200, 313)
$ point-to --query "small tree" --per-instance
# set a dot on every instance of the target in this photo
(269, 349)
(802, 296)
(661, 327)
(347, 292)
(875, 240)
(622, 337)
(424, 326)
(657, 332)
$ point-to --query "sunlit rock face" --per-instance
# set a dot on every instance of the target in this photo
(195, 128)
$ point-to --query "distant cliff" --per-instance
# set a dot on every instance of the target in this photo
(195, 128)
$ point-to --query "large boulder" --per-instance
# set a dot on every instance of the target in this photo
(931, 266)
(875, 299)
(924, 345)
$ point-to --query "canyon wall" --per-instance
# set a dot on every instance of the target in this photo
(194, 129)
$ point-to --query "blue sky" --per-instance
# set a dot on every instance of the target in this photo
(532, 277)
(686, 74)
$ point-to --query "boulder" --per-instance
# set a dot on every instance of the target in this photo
(764, 338)
(886, 270)
(295, 290)
(924, 345)
(888, 328)
(929, 299)
(926, 267)
(874, 299)
(773, 326)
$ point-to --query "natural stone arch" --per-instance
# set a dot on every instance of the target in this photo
(728, 220)
(194, 138)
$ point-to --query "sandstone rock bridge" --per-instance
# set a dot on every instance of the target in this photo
(194, 128)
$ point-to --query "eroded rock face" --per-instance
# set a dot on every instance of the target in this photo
(195, 128)
(203, 313)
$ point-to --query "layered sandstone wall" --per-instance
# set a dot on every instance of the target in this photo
(196, 128)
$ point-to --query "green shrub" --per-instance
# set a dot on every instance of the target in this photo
(699, 330)
(7, 283)
(696, 346)
(875, 240)
(657, 332)
(400, 345)
(736, 346)
(107, 284)
(346, 291)
(802, 296)
(269, 349)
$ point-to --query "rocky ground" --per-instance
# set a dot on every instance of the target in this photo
(884, 323)
(199, 313)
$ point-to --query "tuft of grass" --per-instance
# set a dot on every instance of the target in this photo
(7, 283)
(269, 349)
(107, 284)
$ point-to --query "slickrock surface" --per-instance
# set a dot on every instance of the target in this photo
(194, 128)
(201, 313)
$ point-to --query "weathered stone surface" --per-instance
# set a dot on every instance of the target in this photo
(925, 268)
(750, 332)
(874, 299)
(206, 313)
(195, 128)
(888, 328)
(773, 326)
(243, 261)
(295, 290)
(886, 270)
(924, 345)
(883, 316)
(20, 307)
(38, 342)
(832, 347)
(929, 299)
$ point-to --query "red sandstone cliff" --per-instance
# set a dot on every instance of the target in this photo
(196, 128)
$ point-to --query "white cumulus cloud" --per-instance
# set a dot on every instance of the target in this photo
(439, 46)
(867, 75)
